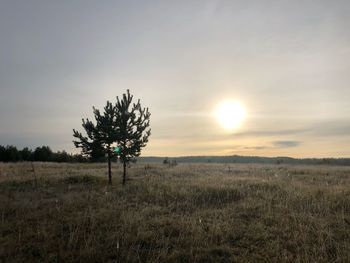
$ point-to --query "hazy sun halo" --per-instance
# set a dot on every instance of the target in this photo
(230, 114)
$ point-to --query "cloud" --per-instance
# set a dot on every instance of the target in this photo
(285, 144)
(338, 127)
(270, 133)
(332, 128)
(256, 147)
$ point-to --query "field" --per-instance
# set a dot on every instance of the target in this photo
(185, 213)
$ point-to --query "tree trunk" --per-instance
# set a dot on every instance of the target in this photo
(109, 170)
(124, 172)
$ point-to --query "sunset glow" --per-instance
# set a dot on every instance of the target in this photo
(230, 114)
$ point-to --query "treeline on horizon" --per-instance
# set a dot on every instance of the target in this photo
(250, 159)
(45, 154)
(10, 153)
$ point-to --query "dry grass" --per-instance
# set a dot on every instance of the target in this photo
(187, 213)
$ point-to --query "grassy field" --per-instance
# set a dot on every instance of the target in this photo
(186, 213)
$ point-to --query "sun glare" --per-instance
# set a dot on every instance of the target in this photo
(230, 114)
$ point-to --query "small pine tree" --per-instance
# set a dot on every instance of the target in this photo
(132, 122)
(100, 136)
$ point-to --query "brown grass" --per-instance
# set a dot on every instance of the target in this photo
(186, 213)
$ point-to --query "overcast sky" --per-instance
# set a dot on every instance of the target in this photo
(287, 62)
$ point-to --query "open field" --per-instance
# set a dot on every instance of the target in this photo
(186, 213)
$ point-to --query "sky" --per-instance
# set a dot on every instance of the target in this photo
(286, 62)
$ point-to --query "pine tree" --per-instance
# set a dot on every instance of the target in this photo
(133, 129)
(100, 136)
(122, 130)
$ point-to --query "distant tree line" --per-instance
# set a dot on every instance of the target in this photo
(45, 154)
(41, 154)
(248, 159)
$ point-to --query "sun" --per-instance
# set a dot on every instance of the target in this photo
(230, 114)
